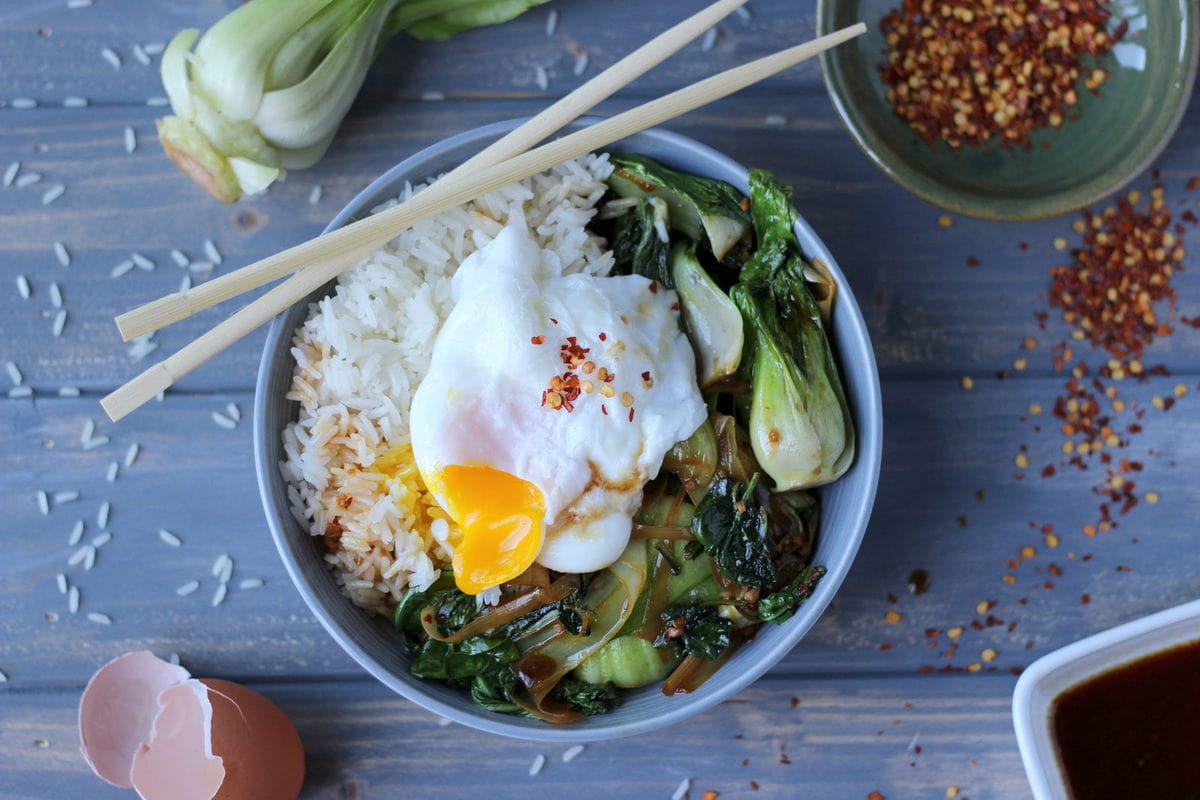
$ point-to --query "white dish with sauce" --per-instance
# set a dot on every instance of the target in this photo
(1051, 675)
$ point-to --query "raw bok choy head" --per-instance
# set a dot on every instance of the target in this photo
(265, 89)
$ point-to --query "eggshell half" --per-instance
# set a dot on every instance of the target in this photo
(117, 711)
(262, 753)
(177, 761)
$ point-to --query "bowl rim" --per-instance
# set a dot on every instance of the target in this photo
(1110, 649)
(1007, 209)
(868, 458)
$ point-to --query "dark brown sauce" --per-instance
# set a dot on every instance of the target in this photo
(533, 668)
(1134, 732)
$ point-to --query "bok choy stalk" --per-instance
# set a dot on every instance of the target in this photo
(265, 89)
(800, 425)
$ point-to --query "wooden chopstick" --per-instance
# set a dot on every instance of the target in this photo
(373, 231)
(181, 305)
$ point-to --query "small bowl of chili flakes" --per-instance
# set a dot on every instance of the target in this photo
(1012, 109)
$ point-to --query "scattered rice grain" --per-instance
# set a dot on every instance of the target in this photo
(581, 64)
(169, 538)
(252, 583)
(110, 55)
(314, 195)
(141, 55)
(19, 392)
(185, 284)
(157, 101)
(111, 475)
(541, 78)
(61, 579)
(76, 533)
(130, 139)
(536, 766)
(61, 253)
(223, 421)
(53, 193)
(744, 12)
(98, 618)
(433, 96)
(200, 266)
(154, 48)
(43, 501)
(233, 412)
(219, 595)
(75, 102)
(179, 258)
(89, 430)
(709, 41)
(23, 287)
(10, 174)
(73, 600)
(89, 560)
(187, 588)
(55, 295)
(78, 556)
(60, 322)
(14, 372)
(219, 565)
(68, 391)
(24, 103)
(551, 22)
(226, 572)
(571, 752)
(102, 515)
(3, 678)
(210, 250)
(131, 454)
(77, 4)
(122, 268)
(65, 497)
(775, 121)
(102, 539)
(141, 262)
(141, 347)
(28, 179)
(682, 789)
(93, 443)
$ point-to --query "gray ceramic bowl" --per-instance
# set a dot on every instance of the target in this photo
(372, 642)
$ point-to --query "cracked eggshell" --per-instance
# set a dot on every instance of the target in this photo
(263, 755)
(177, 762)
(117, 711)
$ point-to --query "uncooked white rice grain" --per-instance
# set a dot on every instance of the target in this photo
(141, 262)
(89, 560)
(571, 752)
(28, 179)
(314, 195)
(76, 533)
(11, 173)
(141, 347)
(173, 658)
(73, 600)
(551, 22)
(157, 101)
(122, 268)
(102, 515)
(113, 469)
(200, 266)
(102, 539)
(536, 766)
(187, 588)
(210, 250)
(43, 501)
(61, 253)
(111, 57)
(68, 391)
(709, 41)
(98, 618)
(223, 421)
(130, 140)
(14, 372)
(65, 497)
(74, 4)
(18, 392)
(219, 594)
(444, 722)
(141, 55)
(775, 121)
(169, 538)
(541, 78)
(179, 258)
(185, 284)
(89, 430)
(233, 412)
(78, 556)
(743, 12)
(433, 96)
(75, 102)
(96, 441)
(24, 102)
(227, 572)
(153, 48)
(53, 193)
(60, 322)
(3, 677)
(131, 454)
(55, 295)
(252, 583)
(62, 583)
(23, 287)
(581, 64)
(219, 565)
(682, 789)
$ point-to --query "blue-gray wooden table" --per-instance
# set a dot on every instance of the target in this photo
(893, 692)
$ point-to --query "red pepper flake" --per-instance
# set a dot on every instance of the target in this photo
(1085, 599)
(795, 702)
(631, 415)
(972, 261)
(552, 319)
(603, 336)
(653, 287)
(1193, 184)
(674, 306)
(604, 410)
(754, 785)
(538, 340)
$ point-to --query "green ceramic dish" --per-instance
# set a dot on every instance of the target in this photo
(1121, 131)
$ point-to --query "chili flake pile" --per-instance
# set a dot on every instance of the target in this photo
(968, 71)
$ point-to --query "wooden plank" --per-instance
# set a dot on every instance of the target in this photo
(907, 737)
(942, 445)
(928, 312)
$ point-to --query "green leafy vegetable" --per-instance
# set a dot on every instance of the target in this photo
(267, 86)
(640, 241)
(695, 630)
(713, 322)
(700, 208)
(779, 606)
(586, 698)
(731, 523)
(800, 425)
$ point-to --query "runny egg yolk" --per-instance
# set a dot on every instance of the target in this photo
(502, 519)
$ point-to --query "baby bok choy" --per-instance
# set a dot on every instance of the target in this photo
(265, 89)
(800, 424)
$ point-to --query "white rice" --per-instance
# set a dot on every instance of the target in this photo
(61, 579)
(185, 284)
(219, 565)
(24, 103)
(314, 195)
(10, 174)
(28, 179)
(169, 538)
(571, 753)
(141, 262)
(536, 766)
(78, 556)
(219, 595)
(542, 78)
(252, 583)
(223, 421)
(200, 266)
(131, 454)
(53, 193)
(61, 253)
(98, 618)
(141, 55)
(65, 497)
(363, 351)
(60, 322)
(18, 392)
(433, 96)
(89, 560)
(99, 441)
(154, 48)
(56, 299)
(73, 600)
(110, 55)
(682, 789)
(157, 101)
(76, 533)
(179, 258)
(14, 372)
(75, 102)
(709, 41)
(75, 4)
(111, 474)
(211, 251)
(68, 391)
(581, 64)
(89, 430)
(122, 268)
(551, 22)
(130, 139)
(187, 588)
(43, 501)
(23, 287)
(102, 539)
(102, 515)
